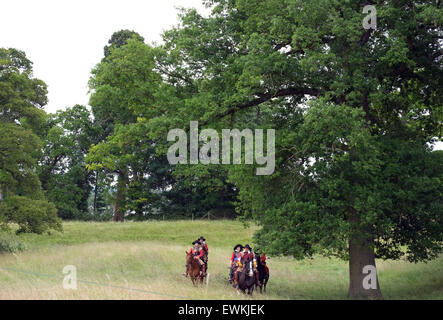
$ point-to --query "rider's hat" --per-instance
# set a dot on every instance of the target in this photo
(195, 241)
(239, 245)
(247, 246)
(202, 238)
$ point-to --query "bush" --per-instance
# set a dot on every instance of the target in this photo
(10, 243)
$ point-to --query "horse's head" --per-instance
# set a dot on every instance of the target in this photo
(248, 266)
(188, 257)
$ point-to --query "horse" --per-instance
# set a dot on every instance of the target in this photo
(263, 276)
(193, 268)
(246, 281)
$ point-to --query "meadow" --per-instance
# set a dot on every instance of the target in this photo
(145, 260)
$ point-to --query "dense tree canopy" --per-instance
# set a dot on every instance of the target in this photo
(68, 136)
(21, 120)
(126, 90)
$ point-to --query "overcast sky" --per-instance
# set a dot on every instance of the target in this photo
(65, 39)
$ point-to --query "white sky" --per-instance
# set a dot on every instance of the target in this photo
(65, 40)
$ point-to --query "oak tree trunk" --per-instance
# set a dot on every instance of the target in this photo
(363, 279)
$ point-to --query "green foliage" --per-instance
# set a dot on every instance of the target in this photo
(31, 215)
(10, 243)
(67, 183)
(360, 146)
(22, 96)
(127, 94)
(22, 121)
(119, 39)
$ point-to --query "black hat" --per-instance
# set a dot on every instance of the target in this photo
(247, 246)
(202, 238)
(195, 241)
(239, 245)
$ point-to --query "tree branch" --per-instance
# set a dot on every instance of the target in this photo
(268, 96)
(365, 37)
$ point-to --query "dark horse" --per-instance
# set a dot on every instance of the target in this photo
(263, 276)
(193, 268)
(246, 281)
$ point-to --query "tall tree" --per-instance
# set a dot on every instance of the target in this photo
(355, 110)
(67, 182)
(22, 98)
(123, 86)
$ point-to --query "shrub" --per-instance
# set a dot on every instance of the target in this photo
(10, 243)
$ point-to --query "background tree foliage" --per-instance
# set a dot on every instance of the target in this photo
(127, 91)
(69, 135)
(22, 98)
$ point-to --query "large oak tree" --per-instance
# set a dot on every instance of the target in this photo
(356, 112)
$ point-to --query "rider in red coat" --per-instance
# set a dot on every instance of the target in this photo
(197, 252)
(245, 257)
(233, 265)
(204, 244)
(263, 261)
(205, 250)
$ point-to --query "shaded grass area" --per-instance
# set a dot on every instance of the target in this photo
(145, 260)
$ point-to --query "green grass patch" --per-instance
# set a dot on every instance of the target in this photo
(149, 257)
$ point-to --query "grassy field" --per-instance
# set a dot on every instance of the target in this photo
(145, 260)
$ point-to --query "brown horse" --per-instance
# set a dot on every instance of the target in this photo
(247, 278)
(193, 268)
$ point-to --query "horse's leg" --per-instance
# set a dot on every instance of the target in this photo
(257, 280)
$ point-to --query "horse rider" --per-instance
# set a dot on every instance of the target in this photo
(197, 252)
(262, 257)
(233, 262)
(245, 257)
(263, 262)
(204, 248)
